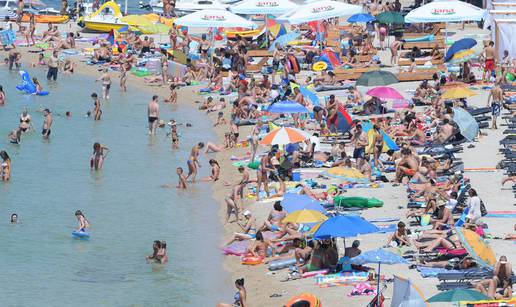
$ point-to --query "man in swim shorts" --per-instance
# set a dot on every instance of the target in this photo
(489, 55)
(153, 114)
(47, 123)
(496, 99)
(360, 141)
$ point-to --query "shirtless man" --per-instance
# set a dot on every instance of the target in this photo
(153, 114)
(277, 55)
(495, 101)
(301, 100)
(97, 112)
(502, 271)
(47, 123)
(445, 133)
(360, 142)
(262, 174)
(407, 167)
(489, 56)
(193, 161)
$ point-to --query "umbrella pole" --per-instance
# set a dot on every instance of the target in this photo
(378, 286)
(445, 37)
(266, 32)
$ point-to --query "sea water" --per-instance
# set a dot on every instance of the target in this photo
(42, 265)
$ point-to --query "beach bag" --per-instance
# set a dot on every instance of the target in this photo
(483, 210)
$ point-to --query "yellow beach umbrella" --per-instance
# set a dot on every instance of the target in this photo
(477, 247)
(305, 216)
(458, 92)
(345, 172)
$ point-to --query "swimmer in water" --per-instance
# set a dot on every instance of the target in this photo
(47, 123)
(83, 222)
(25, 121)
(193, 161)
(153, 114)
(182, 178)
(215, 171)
(173, 134)
(5, 166)
(106, 83)
(173, 95)
(99, 154)
(15, 136)
(161, 256)
(155, 249)
(14, 218)
(39, 88)
(123, 78)
(96, 103)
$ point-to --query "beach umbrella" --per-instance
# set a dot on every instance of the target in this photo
(457, 93)
(477, 247)
(319, 10)
(273, 7)
(305, 216)
(445, 11)
(467, 124)
(344, 120)
(283, 40)
(293, 202)
(390, 18)
(156, 28)
(287, 107)
(343, 226)
(388, 143)
(377, 78)
(463, 56)
(460, 45)
(457, 295)
(214, 19)
(284, 136)
(385, 92)
(34, 3)
(380, 256)
(407, 294)
(361, 18)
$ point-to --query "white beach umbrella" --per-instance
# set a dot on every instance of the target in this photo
(272, 7)
(319, 10)
(445, 11)
(214, 19)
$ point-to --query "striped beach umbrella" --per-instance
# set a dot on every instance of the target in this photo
(284, 136)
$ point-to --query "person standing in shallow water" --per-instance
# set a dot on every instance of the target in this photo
(47, 123)
(97, 112)
(99, 154)
(153, 114)
(193, 161)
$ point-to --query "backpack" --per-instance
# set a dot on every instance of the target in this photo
(483, 210)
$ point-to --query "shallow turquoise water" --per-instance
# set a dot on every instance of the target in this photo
(41, 263)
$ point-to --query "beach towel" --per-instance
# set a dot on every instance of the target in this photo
(7, 37)
(387, 228)
(176, 70)
(427, 38)
(340, 279)
(362, 289)
(432, 272)
(384, 220)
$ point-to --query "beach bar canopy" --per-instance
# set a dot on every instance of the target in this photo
(214, 19)
(320, 10)
(272, 7)
(445, 11)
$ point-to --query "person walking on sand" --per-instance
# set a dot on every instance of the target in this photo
(193, 161)
(153, 114)
(489, 54)
(47, 123)
(123, 78)
(97, 112)
(53, 64)
(106, 83)
(495, 101)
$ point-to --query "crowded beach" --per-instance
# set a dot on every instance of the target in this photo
(365, 150)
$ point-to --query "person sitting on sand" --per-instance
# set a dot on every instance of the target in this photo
(240, 298)
(259, 247)
(275, 218)
(83, 222)
(248, 229)
(215, 171)
(400, 236)
(68, 67)
(407, 166)
(302, 251)
(502, 273)
(182, 179)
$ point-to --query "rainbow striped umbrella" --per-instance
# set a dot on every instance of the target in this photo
(284, 136)
(463, 56)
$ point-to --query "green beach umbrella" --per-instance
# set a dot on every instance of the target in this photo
(458, 295)
(377, 78)
(390, 18)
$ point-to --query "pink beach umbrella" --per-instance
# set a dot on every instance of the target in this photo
(385, 92)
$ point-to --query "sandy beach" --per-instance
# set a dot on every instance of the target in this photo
(267, 289)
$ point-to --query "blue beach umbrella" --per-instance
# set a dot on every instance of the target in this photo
(361, 18)
(283, 40)
(342, 226)
(292, 202)
(310, 95)
(468, 126)
(461, 44)
(377, 256)
(287, 106)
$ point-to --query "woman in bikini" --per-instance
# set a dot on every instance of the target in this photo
(25, 121)
(106, 83)
(83, 222)
(99, 154)
(215, 171)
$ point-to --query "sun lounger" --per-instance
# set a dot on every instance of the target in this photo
(454, 285)
(419, 61)
(418, 75)
(424, 45)
(258, 66)
(436, 30)
(259, 53)
(479, 111)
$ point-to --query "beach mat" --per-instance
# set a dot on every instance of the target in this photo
(387, 228)
(432, 272)
(340, 279)
(501, 214)
(384, 220)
